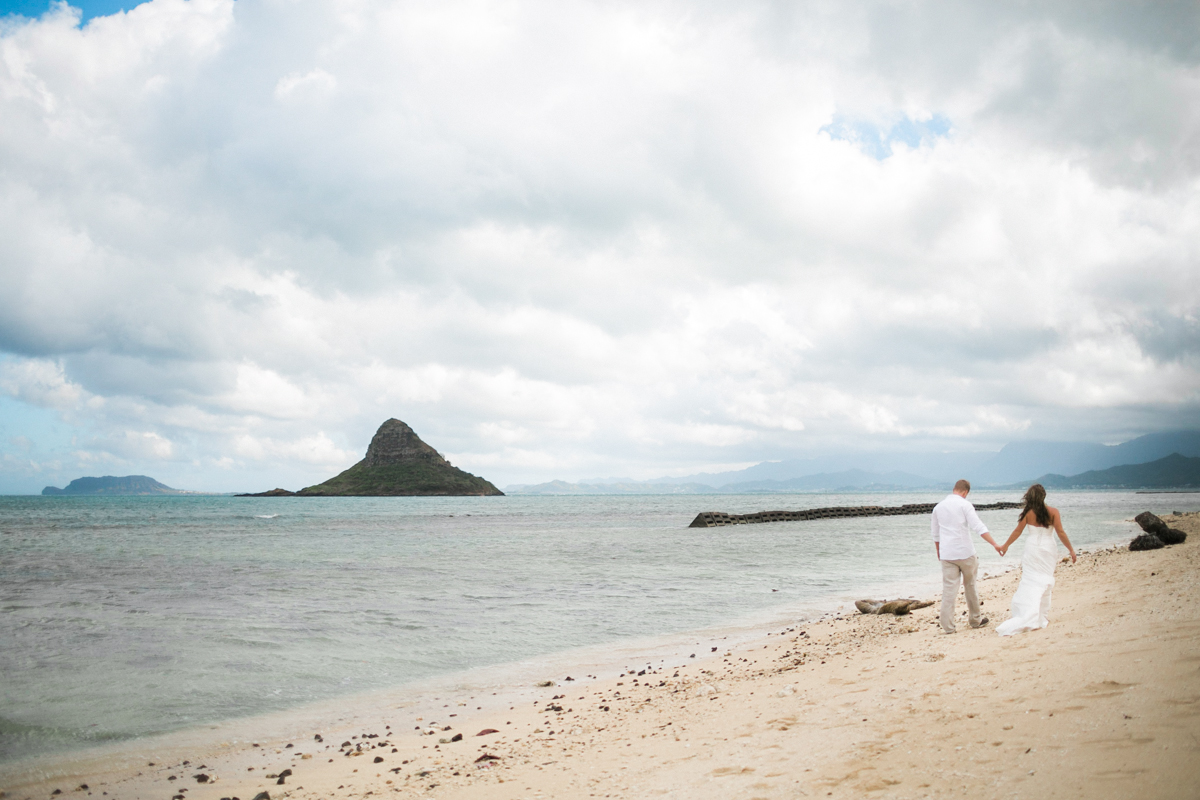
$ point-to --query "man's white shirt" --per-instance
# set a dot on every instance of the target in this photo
(953, 520)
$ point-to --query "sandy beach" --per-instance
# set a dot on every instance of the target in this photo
(1104, 703)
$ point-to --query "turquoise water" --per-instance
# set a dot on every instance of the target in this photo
(125, 617)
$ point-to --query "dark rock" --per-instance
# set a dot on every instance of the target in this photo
(1172, 536)
(456, 737)
(486, 731)
(201, 778)
(1146, 541)
(1150, 523)
(378, 760)
(262, 796)
(487, 757)
(286, 773)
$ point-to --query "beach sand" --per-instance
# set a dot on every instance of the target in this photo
(1104, 703)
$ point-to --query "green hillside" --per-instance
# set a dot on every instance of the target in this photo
(417, 478)
(1173, 472)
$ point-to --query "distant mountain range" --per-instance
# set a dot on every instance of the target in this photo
(1014, 463)
(851, 480)
(1173, 472)
(112, 486)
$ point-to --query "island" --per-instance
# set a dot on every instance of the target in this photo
(110, 486)
(397, 464)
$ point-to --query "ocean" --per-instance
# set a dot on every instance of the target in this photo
(128, 617)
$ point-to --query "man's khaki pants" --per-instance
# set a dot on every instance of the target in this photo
(952, 572)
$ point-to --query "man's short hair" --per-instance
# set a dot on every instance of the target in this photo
(963, 485)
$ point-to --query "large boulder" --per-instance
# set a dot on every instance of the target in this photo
(1146, 541)
(1154, 525)
(1172, 536)
(1150, 523)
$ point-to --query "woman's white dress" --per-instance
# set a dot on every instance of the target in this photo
(1031, 601)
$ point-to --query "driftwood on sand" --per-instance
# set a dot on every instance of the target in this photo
(897, 607)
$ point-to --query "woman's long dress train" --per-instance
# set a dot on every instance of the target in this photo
(1031, 601)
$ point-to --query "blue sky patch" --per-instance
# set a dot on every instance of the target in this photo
(876, 140)
(90, 8)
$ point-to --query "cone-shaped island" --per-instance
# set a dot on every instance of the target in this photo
(398, 463)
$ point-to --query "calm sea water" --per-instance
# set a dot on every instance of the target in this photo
(125, 617)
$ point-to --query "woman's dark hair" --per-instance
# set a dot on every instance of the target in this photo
(1035, 501)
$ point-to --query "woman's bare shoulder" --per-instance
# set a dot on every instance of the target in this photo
(1053, 512)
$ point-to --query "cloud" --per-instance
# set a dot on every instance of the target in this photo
(132, 446)
(579, 238)
(40, 383)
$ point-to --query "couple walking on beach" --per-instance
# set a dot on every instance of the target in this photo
(954, 519)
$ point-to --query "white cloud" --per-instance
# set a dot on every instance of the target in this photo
(41, 383)
(563, 239)
(312, 85)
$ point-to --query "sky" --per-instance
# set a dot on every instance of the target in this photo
(577, 239)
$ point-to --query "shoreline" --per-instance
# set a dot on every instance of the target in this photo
(838, 706)
(509, 677)
(597, 661)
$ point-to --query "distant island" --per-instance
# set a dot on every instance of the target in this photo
(110, 486)
(1173, 472)
(397, 464)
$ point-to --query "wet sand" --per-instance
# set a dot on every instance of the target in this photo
(1104, 703)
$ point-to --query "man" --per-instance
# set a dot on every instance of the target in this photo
(953, 520)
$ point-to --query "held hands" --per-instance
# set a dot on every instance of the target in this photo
(1002, 549)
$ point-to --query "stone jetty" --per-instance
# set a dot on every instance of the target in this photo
(716, 519)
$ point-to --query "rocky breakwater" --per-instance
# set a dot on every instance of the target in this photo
(716, 519)
(398, 464)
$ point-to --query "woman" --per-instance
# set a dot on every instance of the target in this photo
(1031, 601)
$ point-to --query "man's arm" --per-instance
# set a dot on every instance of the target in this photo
(976, 524)
(936, 531)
